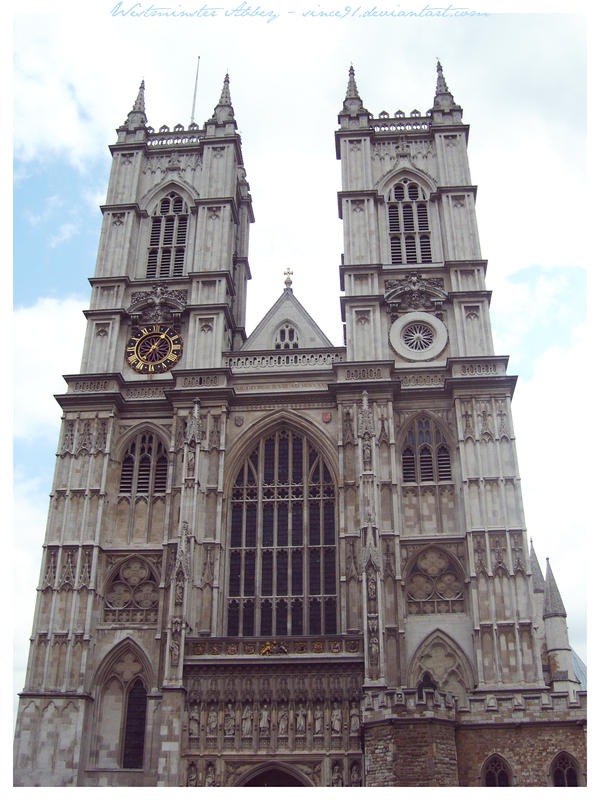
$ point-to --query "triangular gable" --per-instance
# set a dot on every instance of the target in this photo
(286, 311)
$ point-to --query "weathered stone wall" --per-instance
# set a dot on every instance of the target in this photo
(417, 753)
(529, 750)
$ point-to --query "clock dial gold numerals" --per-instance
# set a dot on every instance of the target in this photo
(153, 349)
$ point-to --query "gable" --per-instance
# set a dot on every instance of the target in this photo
(287, 325)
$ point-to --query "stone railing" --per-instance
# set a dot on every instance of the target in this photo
(284, 359)
(401, 124)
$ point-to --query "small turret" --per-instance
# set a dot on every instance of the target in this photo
(444, 108)
(135, 124)
(560, 657)
(353, 113)
(224, 109)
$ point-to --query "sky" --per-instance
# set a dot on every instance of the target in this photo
(521, 80)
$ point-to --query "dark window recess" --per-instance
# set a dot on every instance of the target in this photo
(135, 727)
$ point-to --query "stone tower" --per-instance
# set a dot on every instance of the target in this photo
(272, 561)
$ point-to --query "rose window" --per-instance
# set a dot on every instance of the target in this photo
(418, 336)
(434, 585)
(132, 595)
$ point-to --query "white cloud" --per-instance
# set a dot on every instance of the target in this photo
(552, 425)
(48, 339)
(49, 206)
(65, 232)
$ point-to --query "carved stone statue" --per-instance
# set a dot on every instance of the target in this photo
(283, 722)
(211, 725)
(229, 724)
(247, 720)
(318, 717)
(355, 774)
(192, 775)
(336, 719)
(336, 775)
(301, 720)
(354, 718)
(263, 720)
(210, 775)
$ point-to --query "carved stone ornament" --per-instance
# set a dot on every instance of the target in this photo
(414, 293)
(157, 305)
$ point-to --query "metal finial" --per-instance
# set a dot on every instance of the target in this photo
(288, 280)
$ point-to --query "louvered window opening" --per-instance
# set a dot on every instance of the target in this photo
(408, 224)
(282, 542)
(145, 467)
(168, 233)
(425, 454)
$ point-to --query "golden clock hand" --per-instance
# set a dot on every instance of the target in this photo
(155, 345)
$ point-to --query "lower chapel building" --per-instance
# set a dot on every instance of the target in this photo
(273, 561)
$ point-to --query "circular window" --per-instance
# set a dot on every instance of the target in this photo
(418, 336)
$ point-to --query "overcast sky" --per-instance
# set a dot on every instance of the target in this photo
(521, 80)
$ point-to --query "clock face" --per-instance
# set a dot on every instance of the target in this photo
(154, 348)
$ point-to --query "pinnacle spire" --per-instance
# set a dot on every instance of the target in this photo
(353, 105)
(536, 572)
(224, 109)
(225, 99)
(137, 116)
(553, 604)
(140, 105)
(352, 90)
(441, 86)
(444, 100)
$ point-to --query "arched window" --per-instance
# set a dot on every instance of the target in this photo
(425, 454)
(135, 726)
(287, 338)
(282, 542)
(408, 223)
(168, 235)
(121, 709)
(145, 467)
(563, 771)
(496, 772)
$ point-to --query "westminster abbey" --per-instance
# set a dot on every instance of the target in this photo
(271, 561)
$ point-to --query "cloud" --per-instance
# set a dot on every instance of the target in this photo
(65, 232)
(48, 339)
(50, 205)
(555, 458)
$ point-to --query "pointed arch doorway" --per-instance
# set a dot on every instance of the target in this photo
(271, 775)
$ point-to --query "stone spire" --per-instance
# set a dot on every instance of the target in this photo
(353, 105)
(224, 109)
(352, 90)
(536, 572)
(137, 115)
(444, 100)
(553, 604)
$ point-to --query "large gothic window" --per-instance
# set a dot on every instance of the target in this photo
(168, 235)
(282, 542)
(408, 223)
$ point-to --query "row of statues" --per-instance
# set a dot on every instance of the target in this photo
(285, 720)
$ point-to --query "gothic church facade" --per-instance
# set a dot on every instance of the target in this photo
(273, 561)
